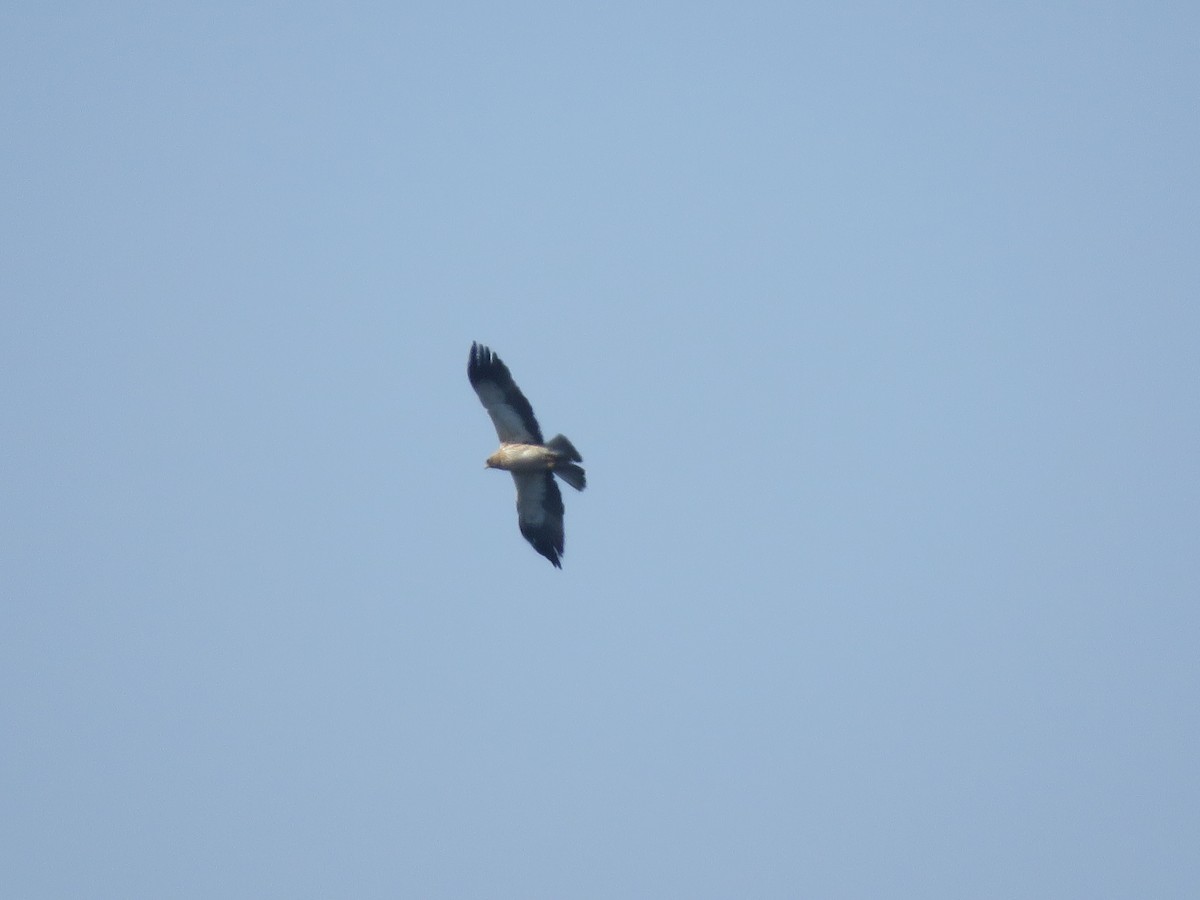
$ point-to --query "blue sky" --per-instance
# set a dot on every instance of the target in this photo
(876, 327)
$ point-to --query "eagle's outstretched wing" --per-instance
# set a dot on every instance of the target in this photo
(540, 513)
(510, 411)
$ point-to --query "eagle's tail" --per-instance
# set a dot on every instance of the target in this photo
(564, 466)
(572, 474)
(563, 448)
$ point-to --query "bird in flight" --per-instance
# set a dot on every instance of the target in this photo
(532, 461)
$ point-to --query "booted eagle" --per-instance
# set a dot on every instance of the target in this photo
(532, 461)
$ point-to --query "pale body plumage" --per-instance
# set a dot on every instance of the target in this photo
(532, 461)
(522, 458)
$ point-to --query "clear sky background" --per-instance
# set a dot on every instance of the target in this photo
(876, 325)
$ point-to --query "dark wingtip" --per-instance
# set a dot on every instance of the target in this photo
(551, 553)
(544, 545)
(483, 362)
(475, 360)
